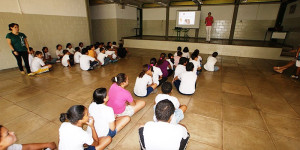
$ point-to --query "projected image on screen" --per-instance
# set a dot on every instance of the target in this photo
(186, 18)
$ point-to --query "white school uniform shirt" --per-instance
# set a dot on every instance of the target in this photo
(156, 73)
(97, 50)
(179, 70)
(112, 53)
(173, 99)
(186, 54)
(103, 116)
(175, 54)
(199, 59)
(71, 50)
(85, 62)
(36, 64)
(188, 82)
(210, 63)
(77, 56)
(15, 147)
(47, 55)
(196, 65)
(59, 52)
(140, 87)
(30, 59)
(72, 137)
(64, 60)
(163, 135)
(171, 64)
(101, 57)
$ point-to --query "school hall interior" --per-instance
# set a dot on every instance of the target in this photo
(245, 105)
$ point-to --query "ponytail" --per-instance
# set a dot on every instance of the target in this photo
(63, 117)
(73, 115)
(146, 67)
(120, 78)
(161, 59)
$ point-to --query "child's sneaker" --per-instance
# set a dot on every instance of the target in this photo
(154, 91)
(31, 74)
(294, 76)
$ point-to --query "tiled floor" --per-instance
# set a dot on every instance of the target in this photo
(244, 106)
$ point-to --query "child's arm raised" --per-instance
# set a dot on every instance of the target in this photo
(31, 146)
(94, 133)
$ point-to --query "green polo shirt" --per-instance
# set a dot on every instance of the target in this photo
(17, 41)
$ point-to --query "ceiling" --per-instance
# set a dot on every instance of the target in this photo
(164, 3)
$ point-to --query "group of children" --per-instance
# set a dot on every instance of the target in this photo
(88, 57)
(185, 67)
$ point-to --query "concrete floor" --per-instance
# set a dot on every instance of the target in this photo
(244, 106)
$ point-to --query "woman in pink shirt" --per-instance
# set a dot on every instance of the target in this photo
(119, 97)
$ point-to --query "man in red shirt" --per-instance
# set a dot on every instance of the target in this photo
(209, 20)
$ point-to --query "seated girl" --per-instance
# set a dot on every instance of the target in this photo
(143, 84)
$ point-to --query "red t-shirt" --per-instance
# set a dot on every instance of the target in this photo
(209, 20)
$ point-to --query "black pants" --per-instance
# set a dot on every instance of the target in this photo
(164, 79)
(24, 55)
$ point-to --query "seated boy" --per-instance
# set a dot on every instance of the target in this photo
(87, 62)
(163, 135)
(37, 65)
(181, 66)
(103, 58)
(210, 63)
(185, 82)
(104, 118)
(66, 60)
(297, 65)
(196, 63)
(166, 89)
(8, 139)
(77, 55)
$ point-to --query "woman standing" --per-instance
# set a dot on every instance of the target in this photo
(17, 42)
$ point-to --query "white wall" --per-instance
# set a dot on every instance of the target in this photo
(45, 7)
(154, 14)
(258, 12)
(113, 11)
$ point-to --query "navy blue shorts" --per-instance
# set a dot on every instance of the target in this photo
(90, 148)
(112, 133)
(149, 90)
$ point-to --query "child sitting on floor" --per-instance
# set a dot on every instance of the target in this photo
(185, 82)
(178, 50)
(71, 133)
(210, 63)
(30, 56)
(8, 139)
(186, 52)
(166, 89)
(162, 135)
(163, 64)
(181, 66)
(197, 66)
(77, 55)
(105, 122)
(66, 59)
(87, 62)
(157, 74)
(59, 52)
(171, 61)
(37, 65)
(143, 84)
(296, 76)
(176, 58)
(47, 56)
(70, 48)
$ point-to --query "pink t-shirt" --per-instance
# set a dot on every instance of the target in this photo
(209, 20)
(117, 98)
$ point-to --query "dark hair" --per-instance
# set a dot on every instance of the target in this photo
(189, 66)
(74, 114)
(153, 61)
(179, 48)
(194, 56)
(38, 53)
(43, 49)
(101, 49)
(179, 53)
(146, 67)
(120, 78)
(164, 110)
(107, 45)
(84, 51)
(30, 48)
(99, 95)
(120, 45)
(215, 54)
(186, 49)
(11, 26)
(80, 43)
(196, 52)
(65, 51)
(58, 45)
(77, 49)
(161, 59)
(166, 87)
(209, 12)
(88, 47)
(183, 60)
(68, 44)
(170, 57)
(114, 43)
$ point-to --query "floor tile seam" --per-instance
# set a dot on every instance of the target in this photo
(281, 115)
(246, 126)
(207, 117)
(236, 106)
(214, 146)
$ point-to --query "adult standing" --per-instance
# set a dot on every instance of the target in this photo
(209, 20)
(17, 42)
